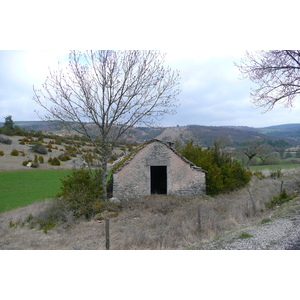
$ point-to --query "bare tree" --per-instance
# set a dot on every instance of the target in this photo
(265, 152)
(277, 75)
(101, 94)
(253, 148)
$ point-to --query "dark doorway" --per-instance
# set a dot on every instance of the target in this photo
(158, 180)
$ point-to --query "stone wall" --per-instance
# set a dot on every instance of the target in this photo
(133, 179)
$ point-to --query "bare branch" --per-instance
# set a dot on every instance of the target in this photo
(276, 74)
(101, 94)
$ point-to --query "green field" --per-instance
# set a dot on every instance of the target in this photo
(20, 188)
(275, 167)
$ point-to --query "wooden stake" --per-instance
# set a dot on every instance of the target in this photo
(199, 218)
(252, 200)
(281, 187)
(107, 233)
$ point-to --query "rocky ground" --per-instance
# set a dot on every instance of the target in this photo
(280, 232)
(9, 162)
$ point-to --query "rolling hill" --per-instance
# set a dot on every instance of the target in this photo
(204, 135)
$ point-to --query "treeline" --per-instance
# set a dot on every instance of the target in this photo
(10, 129)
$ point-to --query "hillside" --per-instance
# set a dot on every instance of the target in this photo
(204, 135)
(286, 131)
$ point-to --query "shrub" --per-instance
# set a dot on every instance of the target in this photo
(259, 175)
(22, 153)
(276, 174)
(57, 141)
(54, 161)
(49, 145)
(224, 173)
(64, 157)
(70, 153)
(25, 162)
(34, 164)
(39, 148)
(2, 153)
(14, 152)
(82, 191)
(6, 141)
(8, 131)
(280, 199)
(41, 159)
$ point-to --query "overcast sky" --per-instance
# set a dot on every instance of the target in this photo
(212, 92)
(202, 42)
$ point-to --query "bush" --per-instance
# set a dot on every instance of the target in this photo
(39, 148)
(224, 173)
(25, 162)
(7, 131)
(57, 141)
(22, 153)
(33, 163)
(54, 161)
(6, 141)
(41, 159)
(14, 152)
(276, 174)
(259, 175)
(278, 200)
(82, 191)
(64, 157)
(2, 153)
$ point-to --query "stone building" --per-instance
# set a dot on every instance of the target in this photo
(156, 168)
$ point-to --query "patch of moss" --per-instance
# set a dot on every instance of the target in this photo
(120, 163)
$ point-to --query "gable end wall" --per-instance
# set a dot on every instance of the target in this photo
(133, 179)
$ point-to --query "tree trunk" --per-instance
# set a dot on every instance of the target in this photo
(105, 156)
(248, 163)
(103, 176)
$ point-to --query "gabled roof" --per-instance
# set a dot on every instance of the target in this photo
(118, 166)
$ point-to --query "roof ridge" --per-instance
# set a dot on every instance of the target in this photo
(132, 154)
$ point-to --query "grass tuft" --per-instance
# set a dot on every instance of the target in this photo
(245, 235)
(266, 220)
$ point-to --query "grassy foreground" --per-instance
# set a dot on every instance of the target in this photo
(20, 188)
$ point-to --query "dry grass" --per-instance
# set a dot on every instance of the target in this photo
(156, 222)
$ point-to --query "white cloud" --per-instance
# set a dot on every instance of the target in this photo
(212, 93)
(36, 63)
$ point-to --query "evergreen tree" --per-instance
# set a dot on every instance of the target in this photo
(224, 173)
(9, 123)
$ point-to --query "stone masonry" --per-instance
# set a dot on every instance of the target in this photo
(157, 163)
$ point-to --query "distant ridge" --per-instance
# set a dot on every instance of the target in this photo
(204, 135)
(292, 126)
